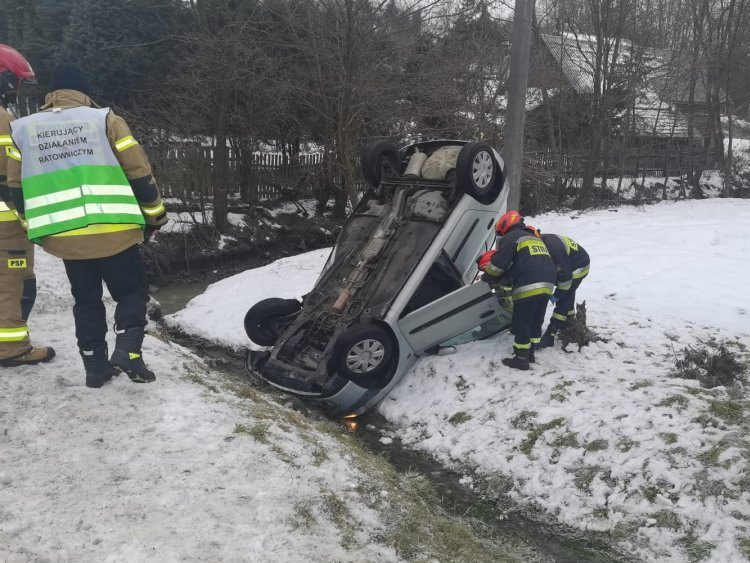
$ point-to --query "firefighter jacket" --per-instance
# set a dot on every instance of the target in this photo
(12, 234)
(527, 260)
(571, 260)
(80, 180)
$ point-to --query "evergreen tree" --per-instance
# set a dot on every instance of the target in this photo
(120, 44)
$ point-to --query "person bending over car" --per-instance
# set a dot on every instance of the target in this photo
(532, 271)
(572, 263)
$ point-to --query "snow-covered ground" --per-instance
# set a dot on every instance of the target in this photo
(217, 314)
(189, 468)
(603, 439)
(184, 221)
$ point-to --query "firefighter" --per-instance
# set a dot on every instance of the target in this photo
(572, 263)
(525, 258)
(17, 281)
(83, 185)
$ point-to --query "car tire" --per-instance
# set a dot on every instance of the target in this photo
(379, 160)
(364, 355)
(478, 172)
(265, 320)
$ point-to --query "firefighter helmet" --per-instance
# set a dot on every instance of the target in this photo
(14, 69)
(507, 221)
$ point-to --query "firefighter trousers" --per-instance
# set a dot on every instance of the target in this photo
(527, 321)
(17, 296)
(126, 281)
(565, 307)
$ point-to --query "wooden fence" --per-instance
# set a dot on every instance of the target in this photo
(185, 171)
(633, 165)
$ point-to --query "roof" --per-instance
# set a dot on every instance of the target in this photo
(575, 56)
(653, 113)
(654, 117)
(669, 75)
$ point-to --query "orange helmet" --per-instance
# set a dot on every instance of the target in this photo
(507, 221)
(484, 260)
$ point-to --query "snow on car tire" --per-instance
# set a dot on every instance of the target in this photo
(478, 172)
(264, 321)
(379, 160)
(363, 354)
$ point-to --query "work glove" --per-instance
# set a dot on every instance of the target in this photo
(149, 231)
(492, 280)
(484, 260)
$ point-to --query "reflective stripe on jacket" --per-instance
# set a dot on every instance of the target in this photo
(70, 176)
(12, 233)
(571, 260)
(527, 260)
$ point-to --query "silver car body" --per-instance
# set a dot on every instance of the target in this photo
(466, 233)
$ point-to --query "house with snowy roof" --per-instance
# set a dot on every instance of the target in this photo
(647, 91)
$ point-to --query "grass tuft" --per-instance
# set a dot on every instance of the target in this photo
(583, 477)
(342, 517)
(626, 444)
(597, 445)
(524, 420)
(566, 440)
(697, 550)
(667, 519)
(731, 412)
(259, 431)
(678, 402)
(459, 418)
(668, 437)
(535, 433)
(712, 364)
(560, 391)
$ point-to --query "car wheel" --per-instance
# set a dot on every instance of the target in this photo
(266, 320)
(379, 160)
(363, 354)
(477, 171)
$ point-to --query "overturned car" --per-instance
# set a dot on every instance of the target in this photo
(399, 281)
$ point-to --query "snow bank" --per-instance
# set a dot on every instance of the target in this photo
(184, 221)
(177, 470)
(603, 439)
(218, 314)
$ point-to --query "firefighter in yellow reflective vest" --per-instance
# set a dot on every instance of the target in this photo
(17, 281)
(524, 256)
(84, 187)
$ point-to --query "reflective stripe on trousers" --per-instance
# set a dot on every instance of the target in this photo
(532, 289)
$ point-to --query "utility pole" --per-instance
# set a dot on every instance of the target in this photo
(515, 113)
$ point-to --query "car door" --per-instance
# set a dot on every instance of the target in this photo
(449, 316)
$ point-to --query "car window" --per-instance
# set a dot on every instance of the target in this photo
(442, 278)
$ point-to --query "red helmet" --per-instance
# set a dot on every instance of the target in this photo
(14, 69)
(507, 221)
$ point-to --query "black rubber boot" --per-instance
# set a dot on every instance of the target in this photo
(519, 361)
(127, 355)
(97, 366)
(548, 338)
(532, 359)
